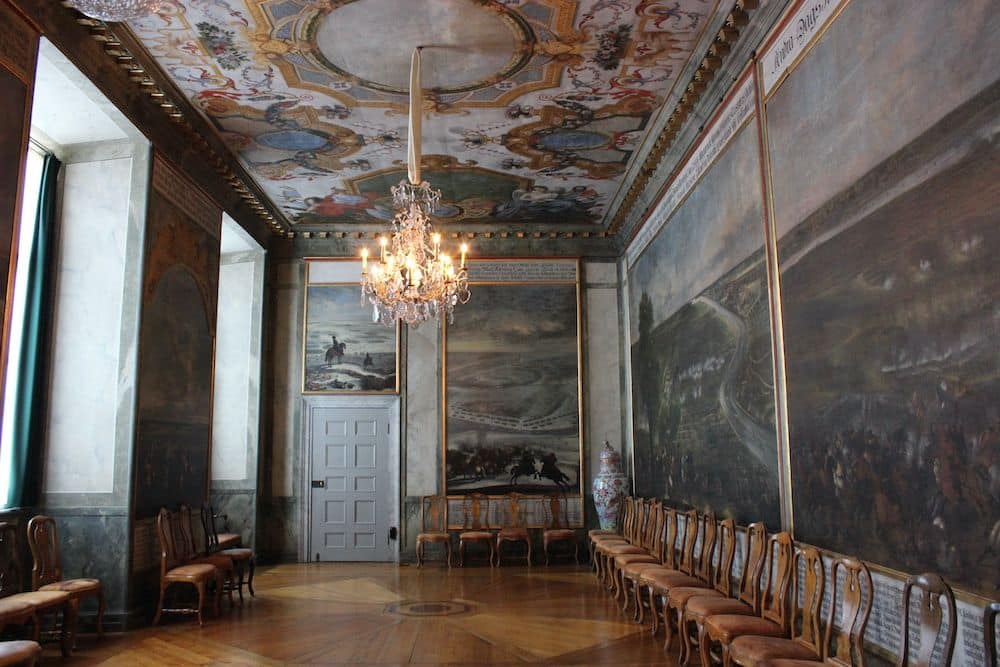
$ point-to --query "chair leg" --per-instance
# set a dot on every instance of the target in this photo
(704, 650)
(668, 626)
(653, 613)
(218, 592)
(576, 551)
(497, 553)
(447, 548)
(461, 553)
(200, 586)
(100, 613)
(420, 554)
(545, 548)
(67, 635)
(727, 658)
(240, 571)
(159, 607)
(640, 611)
(529, 552)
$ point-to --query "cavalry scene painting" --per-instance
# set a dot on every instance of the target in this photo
(512, 392)
(344, 350)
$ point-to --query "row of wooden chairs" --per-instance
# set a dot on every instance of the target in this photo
(755, 622)
(476, 528)
(220, 564)
(50, 595)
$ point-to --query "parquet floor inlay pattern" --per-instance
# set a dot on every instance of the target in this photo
(375, 614)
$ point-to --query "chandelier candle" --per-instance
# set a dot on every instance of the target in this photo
(413, 281)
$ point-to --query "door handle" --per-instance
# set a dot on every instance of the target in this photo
(318, 484)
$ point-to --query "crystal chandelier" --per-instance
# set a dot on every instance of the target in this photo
(115, 10)
(413, 280)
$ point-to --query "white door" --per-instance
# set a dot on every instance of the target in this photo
(351, 490)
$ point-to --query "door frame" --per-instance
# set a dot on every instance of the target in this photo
(310, 404)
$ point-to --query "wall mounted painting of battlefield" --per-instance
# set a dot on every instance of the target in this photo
(702, 387)
(889, 288)
(344, 350)
(512, 388)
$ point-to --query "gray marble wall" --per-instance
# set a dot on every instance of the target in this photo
(280, 507)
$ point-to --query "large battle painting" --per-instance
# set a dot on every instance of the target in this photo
(889, 293)
(512, 391)
(703, 401)
(541, 103)
(344, 350)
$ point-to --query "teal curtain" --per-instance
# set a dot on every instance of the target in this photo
(29, 397)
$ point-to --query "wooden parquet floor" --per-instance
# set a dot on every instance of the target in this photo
(375, 614)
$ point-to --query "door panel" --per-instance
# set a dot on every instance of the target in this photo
(351, 490)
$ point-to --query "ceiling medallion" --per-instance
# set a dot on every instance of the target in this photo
(115, 11)
(413, 281)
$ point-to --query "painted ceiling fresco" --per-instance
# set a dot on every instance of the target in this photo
(533, 108)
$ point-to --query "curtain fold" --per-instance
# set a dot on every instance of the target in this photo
(29, 407)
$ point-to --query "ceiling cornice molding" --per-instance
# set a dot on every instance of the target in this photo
(102, 57)
(730, 51)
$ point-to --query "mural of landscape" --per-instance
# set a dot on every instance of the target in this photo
(512, 393)
(345, 351)
(701, 349)
(889, 295)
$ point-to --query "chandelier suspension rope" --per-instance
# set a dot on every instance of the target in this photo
(413, 280)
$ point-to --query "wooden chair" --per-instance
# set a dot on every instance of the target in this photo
(46, 571)
(220, 541)
(662, 585)
(806, 642)
(666, 558)
(513, 525)
(657, 581)
(747, 600)
(244, 561)
(434, 526)
(772, 618)
(648, 554)
(188, 554)
(24, 608)
(629, 520)
(596, 534)
(20, 653)
(720, 579)
(846, 635)
(475, 525)
(557, 528)
(174, 571)
(606, 550)
(990, 628)
(935, 592)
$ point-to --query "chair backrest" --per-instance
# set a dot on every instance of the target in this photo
(990, 628)
(686, 564)
(639, 523)
(753, 565)
(727, 556)
(654, 527)
(810, 578)
(185, 533)
(44, 545)
(855, 597)
(709, 528)
(556, 511)
(934, 590)
(635, 519)
(10, 567)
(208, 528)
(476, 512)
(512, 511)
(165, 533)
(779, 564)
(667, 547)
(434, 514)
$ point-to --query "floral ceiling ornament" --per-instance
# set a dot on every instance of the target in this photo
(413, 280)
(116, 11)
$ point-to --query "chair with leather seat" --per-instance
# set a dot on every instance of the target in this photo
(596, 534)
(772, 617)
(513, 525)
(720, 580)
(656, 581)
(244, 561)
(557, 528)
(650, 553)
(434, 526)
(606, 550)
(219, 541)
(630, 521)
(661, 586)
(806, 642)
(188, 553)
(47, 573)
(28, 608)
(20, 653)
(665, 550)
(475, 525)
(173, 571)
